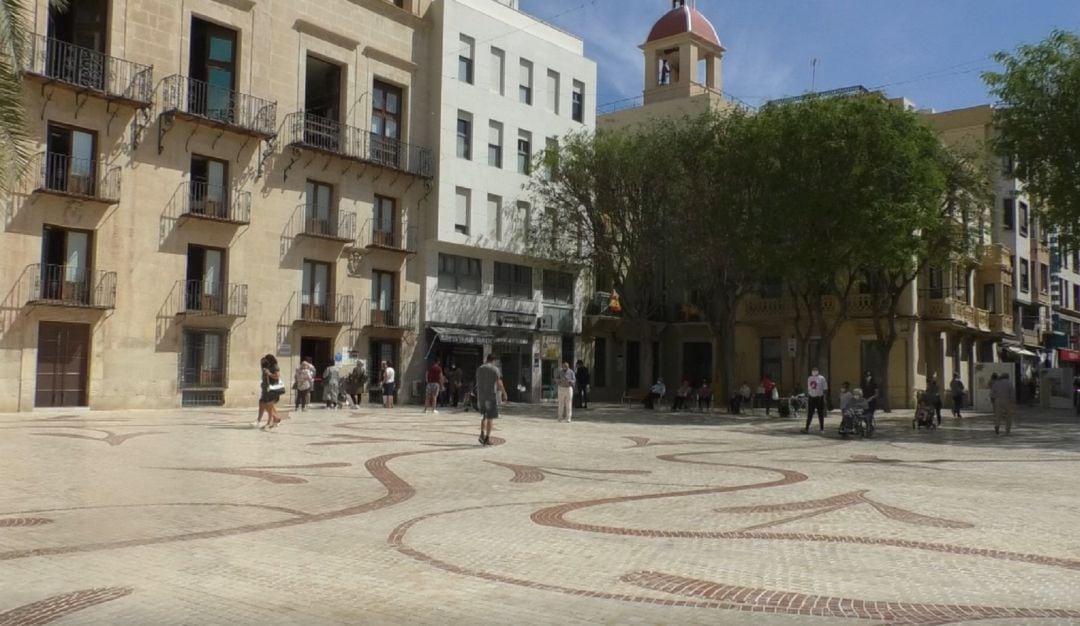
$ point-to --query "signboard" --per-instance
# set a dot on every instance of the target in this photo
(551, 347)
(1069, 356)
(284, 349)
(513, 320)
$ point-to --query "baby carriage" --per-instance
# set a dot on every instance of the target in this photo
(856, 418)
(924, 415)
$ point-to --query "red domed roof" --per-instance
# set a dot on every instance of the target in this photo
(684, 19)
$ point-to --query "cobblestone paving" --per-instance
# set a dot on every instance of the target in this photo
(621, 517)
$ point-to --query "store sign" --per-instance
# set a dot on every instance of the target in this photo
(512, 320)
(551, 347)
(1069, 356)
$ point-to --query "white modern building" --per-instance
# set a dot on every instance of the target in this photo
(505, 87)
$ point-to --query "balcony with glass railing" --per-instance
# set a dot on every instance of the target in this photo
(58, 62)
(312, 132)
(205, 103)
(70, 286)
(73, 177)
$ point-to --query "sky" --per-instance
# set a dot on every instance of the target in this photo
(932, 52)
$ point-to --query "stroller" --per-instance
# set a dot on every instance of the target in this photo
(924, 415)
(856, 418)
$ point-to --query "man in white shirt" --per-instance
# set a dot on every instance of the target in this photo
(816, 388)
(565, 385)
(388, 384)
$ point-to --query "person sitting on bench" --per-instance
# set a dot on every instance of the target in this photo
(656, 393)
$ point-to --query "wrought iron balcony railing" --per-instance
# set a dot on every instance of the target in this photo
(305, 130)
(214, 202)
(218, 105)
(376, 236)
(395, 314)
(71, 176)
(71, 285)
(339, 226)
(93, 71)
(323, 308)
(209, 298)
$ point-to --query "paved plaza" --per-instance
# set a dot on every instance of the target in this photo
(621, 517)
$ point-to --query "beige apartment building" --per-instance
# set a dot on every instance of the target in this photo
(215, 180)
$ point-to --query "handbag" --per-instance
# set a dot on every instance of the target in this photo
(278, 387)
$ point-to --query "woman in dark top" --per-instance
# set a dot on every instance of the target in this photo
(271, 375)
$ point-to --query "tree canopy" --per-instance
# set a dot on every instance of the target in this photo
(1038, 122)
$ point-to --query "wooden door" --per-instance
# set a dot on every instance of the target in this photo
(63, 364)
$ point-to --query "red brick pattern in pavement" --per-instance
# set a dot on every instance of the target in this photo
(60, 606)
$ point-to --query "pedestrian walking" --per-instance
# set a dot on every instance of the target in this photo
(271, 389)
(933, 396)
(453, 379)
(389, 384)
(816, 387)
(435, 380)
(1001, 396)
(870, 392)
(303, 380)
(332, 387)
(565, 385)
(957, 389)
(583, 382)
(768, 389)
(489, 391)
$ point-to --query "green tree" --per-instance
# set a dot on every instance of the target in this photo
(13, 42)
(1039, 124)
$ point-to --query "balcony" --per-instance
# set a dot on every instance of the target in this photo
(758, 309)
(203, 201)
(949, 310)
(88, 71)
(322, 309)
(340, 227)
(982, 319)
(400, 315)
(311, 132)
(71, 286)
(557, 318)
(202, 299)
(203, 103)
(72, 177)
(1002, 323)
(373, 236)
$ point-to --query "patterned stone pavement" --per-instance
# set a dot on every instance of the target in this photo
(621, 517)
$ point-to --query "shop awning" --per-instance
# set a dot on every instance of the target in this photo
(1020, 351)
(462, 335)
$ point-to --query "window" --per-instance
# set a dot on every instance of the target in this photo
(1063, 289)
(551, 155)
(525, 82)
(558, 287)
(70, 161)
(383, 299)
(459, 273)
(83, 24)
(1076, 297)
(577, 103)
(1009, 215)
(495, 144)
(989, 299)
(212, 69)
(1044, 278)
(551, 98)
(209, 185)
(495, 225)
(1044, 232)
(497, 76)
(464, 135)
(513, 281)
(386, 123)
(205, 282)
(319, 215)
(315, 293)
(1024, 218)
(937, 283)
(202, 359)
(1009, 164)
(322, 89)
(462, 210)
(524, 152)
(465, 59)
(384, 223)
(524, 217)
(1025, 278)
(65, 266)
(1076, 260)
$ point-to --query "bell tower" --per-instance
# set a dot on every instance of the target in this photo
(683, 55)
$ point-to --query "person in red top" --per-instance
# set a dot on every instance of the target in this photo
(435, 381)
(768, 386)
